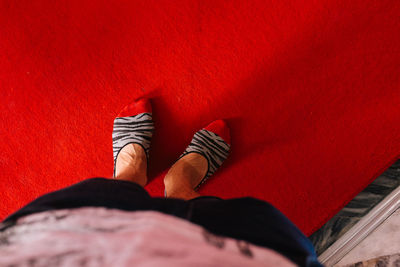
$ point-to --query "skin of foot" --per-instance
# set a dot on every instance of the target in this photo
(131, 164)
(185, 175)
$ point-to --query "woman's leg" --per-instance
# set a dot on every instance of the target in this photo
(184, 176)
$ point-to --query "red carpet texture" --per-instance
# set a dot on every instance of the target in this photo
(310, 89)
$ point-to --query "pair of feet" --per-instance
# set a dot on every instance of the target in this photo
(133, 129)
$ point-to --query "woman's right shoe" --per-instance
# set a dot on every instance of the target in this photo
(213, 143)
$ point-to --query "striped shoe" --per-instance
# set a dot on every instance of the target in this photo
(212, 142)
(133, 125)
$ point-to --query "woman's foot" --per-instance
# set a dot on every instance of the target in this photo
(131, 164)
(133, 129)
(204, 155)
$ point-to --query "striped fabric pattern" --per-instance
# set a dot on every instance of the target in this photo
(212, 147)
(136, 129)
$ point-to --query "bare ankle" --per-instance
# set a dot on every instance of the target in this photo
(182, 193)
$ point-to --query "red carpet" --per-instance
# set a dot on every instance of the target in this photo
(310, 89)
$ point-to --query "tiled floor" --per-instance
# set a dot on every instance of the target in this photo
(357, 208)
(385, 261)
(380, 248)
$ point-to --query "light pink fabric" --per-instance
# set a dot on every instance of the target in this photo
(105, 237)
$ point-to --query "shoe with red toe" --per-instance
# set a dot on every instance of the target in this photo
(212, 142)
(133, 125)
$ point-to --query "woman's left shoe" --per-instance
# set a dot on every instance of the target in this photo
(133, 125)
